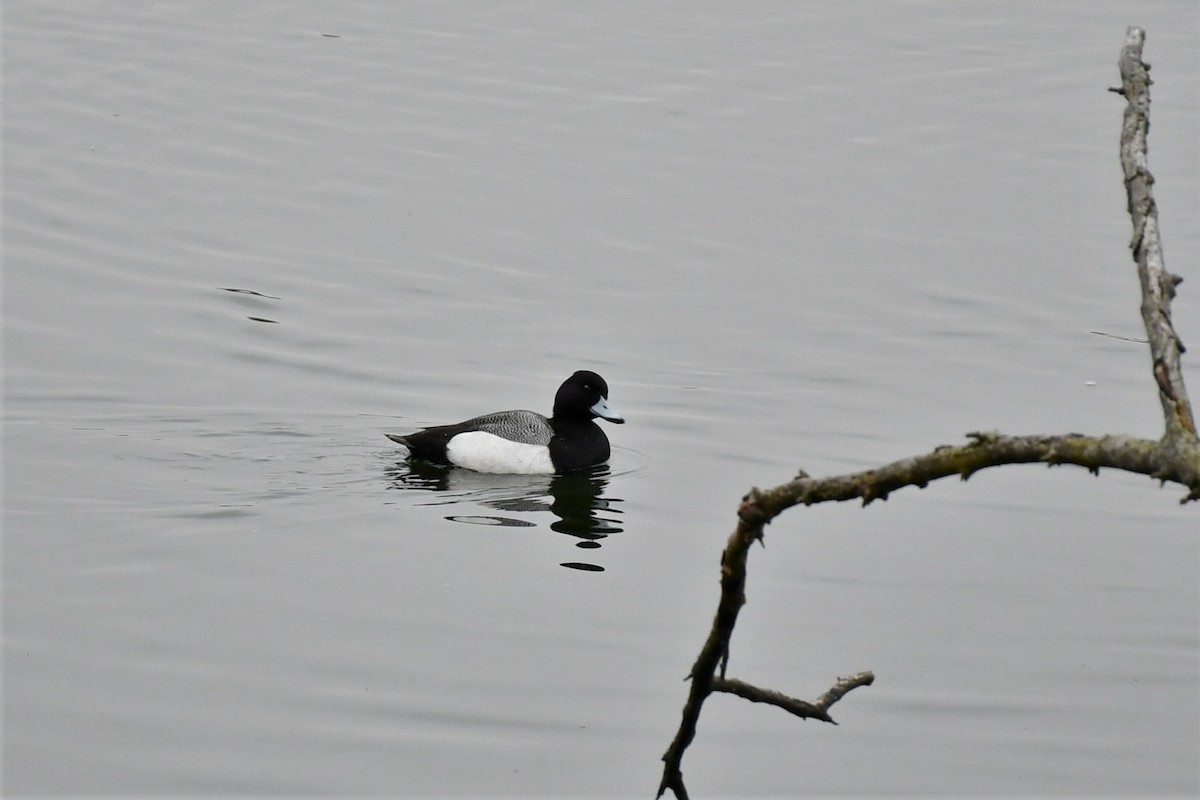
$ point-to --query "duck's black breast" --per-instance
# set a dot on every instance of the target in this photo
(577, 445)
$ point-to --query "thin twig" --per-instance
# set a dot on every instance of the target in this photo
(1122, 338)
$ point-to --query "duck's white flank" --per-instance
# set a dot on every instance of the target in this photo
(486, 452)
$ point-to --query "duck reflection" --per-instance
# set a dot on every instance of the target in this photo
(576, 500)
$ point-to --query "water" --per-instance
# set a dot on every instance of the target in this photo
(243, 241)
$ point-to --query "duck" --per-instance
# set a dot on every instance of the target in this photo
(525, 442)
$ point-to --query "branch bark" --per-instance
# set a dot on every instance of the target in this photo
(1158, 285)
(1175, 457)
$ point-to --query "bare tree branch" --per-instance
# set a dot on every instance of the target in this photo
(800, 708)
(1175, 457)
(1158, 285)
(1156, 459)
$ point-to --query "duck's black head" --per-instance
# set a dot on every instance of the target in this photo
(584, 396)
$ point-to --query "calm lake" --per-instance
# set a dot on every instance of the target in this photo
(242, 241)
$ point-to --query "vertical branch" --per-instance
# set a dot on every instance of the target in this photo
(1158, 285)
(715, 653)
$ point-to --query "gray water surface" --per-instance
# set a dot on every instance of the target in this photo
(243, 240)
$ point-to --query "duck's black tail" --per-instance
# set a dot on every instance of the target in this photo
(399, 439)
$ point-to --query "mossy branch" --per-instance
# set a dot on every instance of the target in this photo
(1174, 458)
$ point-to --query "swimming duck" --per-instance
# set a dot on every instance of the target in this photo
(525, 442)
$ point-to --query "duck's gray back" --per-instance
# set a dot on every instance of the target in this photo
(526, 427)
